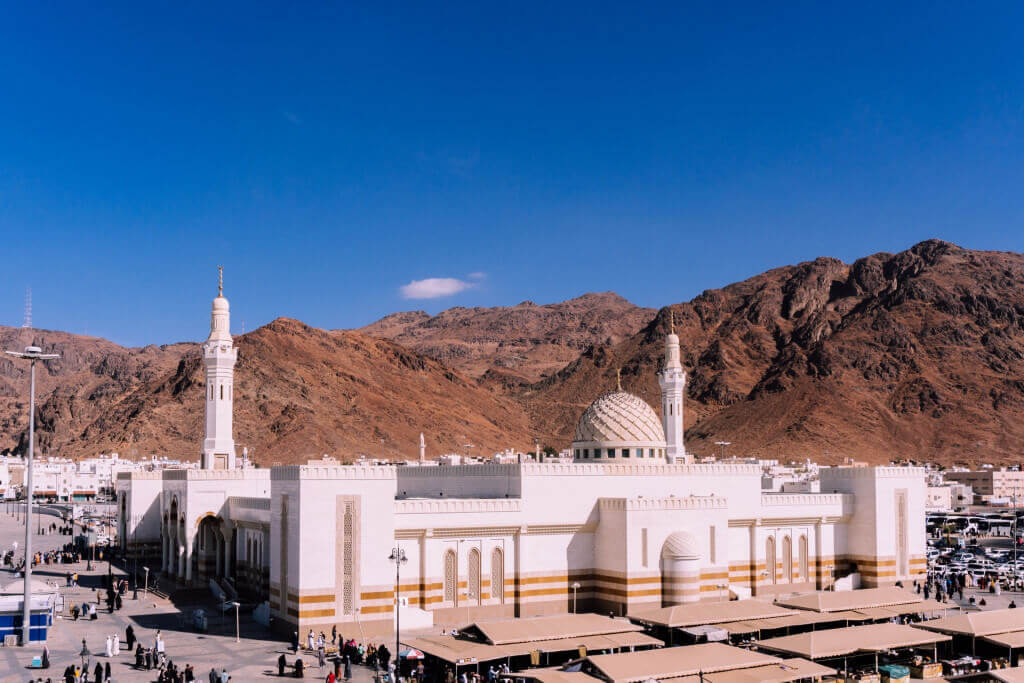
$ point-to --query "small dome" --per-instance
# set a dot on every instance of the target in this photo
(620, 417)
(220, 304)
(680, 545)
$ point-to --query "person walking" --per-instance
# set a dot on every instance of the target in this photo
(129, 636)
(295, 642)
(282, 662)
(213, 676)
(106, 672)
(321, 656)
(117, 645)
(309, 640)
(98, 675)
(348, 669)
(110, 647)
(334, 634)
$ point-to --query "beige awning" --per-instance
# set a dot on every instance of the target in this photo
(845, 641)
(1012, 639)
(460, 651)
(787, 670)
(547, 628)
(703, 613)
(675, 662)
(835, 601)
(979, 623)
(797, 618)
(1013, 675)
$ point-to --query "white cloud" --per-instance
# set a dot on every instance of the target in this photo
(434, 287)
(477, 276)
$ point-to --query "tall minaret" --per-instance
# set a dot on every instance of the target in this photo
(423, 449)
(219, 356)
(672, 379)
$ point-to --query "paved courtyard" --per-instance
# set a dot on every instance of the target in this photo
(254, 656)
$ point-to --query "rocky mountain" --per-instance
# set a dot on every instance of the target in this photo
(515, 344)
(300, 392)
(912, 355)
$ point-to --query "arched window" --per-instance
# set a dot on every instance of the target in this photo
(474, 575)
(451, 576)
(787, 559)
(769, 559)
(222, 392)
(805, 573)
(498, 575)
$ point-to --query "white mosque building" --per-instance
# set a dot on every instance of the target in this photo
(630, 523)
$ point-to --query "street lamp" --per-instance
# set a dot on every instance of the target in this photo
(32, 354)
(575, 587)
(145, 588)
(234, 604)
(725, 447)
(398, 557)
(85, 654)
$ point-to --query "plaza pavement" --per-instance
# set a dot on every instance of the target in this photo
(253, 658)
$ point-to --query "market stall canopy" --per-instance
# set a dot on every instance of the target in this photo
(673, 662)
(837, 601)
(1014, 675)
(838, 642)
(979, 623)
(1013, 639)
(457, 650)
(797, 618)
(783, 672)
(699, 614)
(546, 628)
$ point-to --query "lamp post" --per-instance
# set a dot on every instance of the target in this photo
(575, 587)
(725, 447)
(85, 654)
(235, 604)
(145, 588)
(398, 557)
(32, 354)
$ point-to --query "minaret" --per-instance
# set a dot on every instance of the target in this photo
(423, 449)
(672, 380)
(219, 356)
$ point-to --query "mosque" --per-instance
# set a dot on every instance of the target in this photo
(630, 523)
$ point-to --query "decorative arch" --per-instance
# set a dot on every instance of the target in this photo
(769, 559)
(787, 559)
(474, 576)
(498, 575)
(451, 577)
(805, 573)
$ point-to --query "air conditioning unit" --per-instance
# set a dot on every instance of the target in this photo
(10, 640)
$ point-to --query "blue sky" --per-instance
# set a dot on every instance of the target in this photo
(330, 156)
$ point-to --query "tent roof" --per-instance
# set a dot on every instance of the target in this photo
(674, 662)
(788, 670)
(701, 613)
(979, 623)
(459, 651)
(1012, 675)
(844, 641)
(531, 629)
(835, 601)
(1012, 639)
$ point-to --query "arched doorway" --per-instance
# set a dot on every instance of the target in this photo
(769, 560)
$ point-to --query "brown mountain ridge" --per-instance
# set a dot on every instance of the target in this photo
(912, 355)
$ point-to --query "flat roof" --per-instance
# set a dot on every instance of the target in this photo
(845, 641)
(985, 623)
(701, 613)
(674, 662)
(795, 619)
(836, 601)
